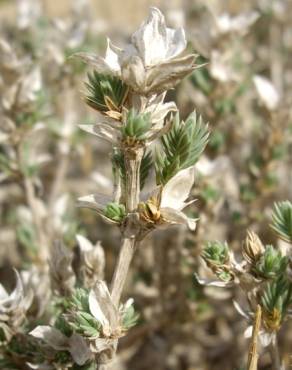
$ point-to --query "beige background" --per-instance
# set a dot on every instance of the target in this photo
(115, 11)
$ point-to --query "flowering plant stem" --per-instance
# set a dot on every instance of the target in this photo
(253, 349)
(129, 243)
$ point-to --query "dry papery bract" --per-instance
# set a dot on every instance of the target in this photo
(181, 252)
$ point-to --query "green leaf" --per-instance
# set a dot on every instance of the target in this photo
(146, 164)
(119, 169)
(282, 220)
(201, 79)
(181, 147)
(129, 318)
(105, 92)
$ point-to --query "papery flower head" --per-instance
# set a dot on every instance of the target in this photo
(152, 62)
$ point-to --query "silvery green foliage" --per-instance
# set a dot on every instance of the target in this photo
(263, 275)
(127, 90)
(152, 62)
(93, 325)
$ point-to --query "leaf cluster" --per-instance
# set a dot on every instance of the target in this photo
(216, 252)
(115, 211)
(81, 320)
(216, 256)
(282, 220)
(277, 296)
(105, 92)
(181, 147)
(271, 264)
(136, 125)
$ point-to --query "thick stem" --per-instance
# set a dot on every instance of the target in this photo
(275, 355)
(122, 268)
(132, 164)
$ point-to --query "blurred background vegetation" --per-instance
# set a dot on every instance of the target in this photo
(247, 166)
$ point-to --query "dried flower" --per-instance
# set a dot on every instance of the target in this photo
(152, 63)
(61, 272)
(252, 248)
(165, 204)
(13, 308)
(92, 261)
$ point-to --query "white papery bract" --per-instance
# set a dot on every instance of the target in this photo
(151, 63)
(155, 43)
(13, 307)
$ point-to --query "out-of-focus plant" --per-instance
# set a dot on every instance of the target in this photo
(264, 276)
